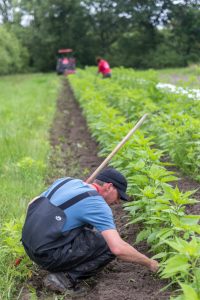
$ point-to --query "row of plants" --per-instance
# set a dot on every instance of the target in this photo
(27, 106)
(157, 206)
(174, 118)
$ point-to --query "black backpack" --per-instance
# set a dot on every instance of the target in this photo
(44, 221)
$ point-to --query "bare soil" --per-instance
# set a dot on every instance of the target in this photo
(75, 153)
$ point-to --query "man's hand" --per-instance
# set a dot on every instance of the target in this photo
(153, 266)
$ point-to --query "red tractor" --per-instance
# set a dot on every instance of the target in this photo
(66, 64)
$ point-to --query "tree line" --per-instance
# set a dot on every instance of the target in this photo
(139, 34)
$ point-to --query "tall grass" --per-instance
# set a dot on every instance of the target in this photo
(27, 106)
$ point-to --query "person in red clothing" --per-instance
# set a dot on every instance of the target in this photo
(103, 67)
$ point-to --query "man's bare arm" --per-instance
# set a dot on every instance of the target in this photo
(125, 251)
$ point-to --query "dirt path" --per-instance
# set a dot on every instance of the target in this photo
(75, 154)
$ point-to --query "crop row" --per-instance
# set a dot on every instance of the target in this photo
(173, 118)
(156, 205)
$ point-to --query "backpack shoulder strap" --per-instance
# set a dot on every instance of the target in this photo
(58, 186)
(77, 198)
(73, 200)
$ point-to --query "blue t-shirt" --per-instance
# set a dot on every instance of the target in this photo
(92, 210)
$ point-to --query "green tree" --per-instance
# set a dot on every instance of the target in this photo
(13, 56)
(56, 24)
(185, 23)
(126, 32)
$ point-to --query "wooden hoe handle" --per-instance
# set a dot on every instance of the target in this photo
(125, 139)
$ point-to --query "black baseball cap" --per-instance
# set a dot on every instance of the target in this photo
(110, 175)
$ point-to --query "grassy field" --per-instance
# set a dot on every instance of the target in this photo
(187, 77)
(27, 106)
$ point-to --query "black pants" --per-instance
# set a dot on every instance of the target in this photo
(107, 75)
(86, 254)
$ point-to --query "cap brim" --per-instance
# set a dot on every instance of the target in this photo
(123, 195)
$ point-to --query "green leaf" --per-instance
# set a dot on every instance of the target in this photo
(169, 178)
(149, 191)
(175, 265)
(157, 172)
(189, 292)
(152, 237)
(190, 219)
(142, 235)
(160, 255)
(139, 165)
(139, 180)
(136, 220)
(164, 233)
